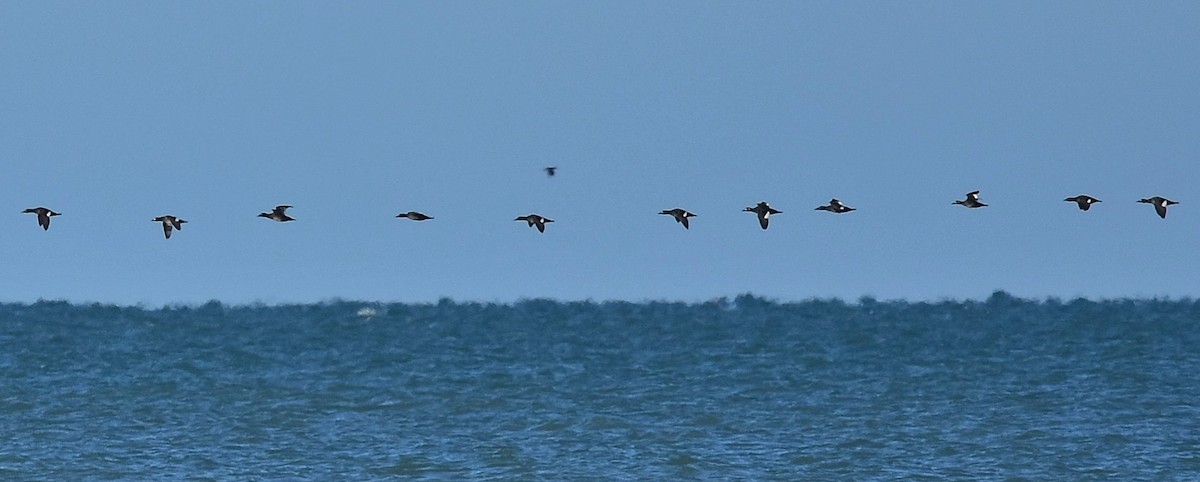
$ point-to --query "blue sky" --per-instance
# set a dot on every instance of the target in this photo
(116, 112)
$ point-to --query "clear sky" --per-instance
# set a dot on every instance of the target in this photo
(116, 112)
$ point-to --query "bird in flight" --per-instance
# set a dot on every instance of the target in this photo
(1083, 200)
(43, 216)
(972, 200)
(170, 222)
(415, 216)
(835, 206)
(1160, 205)
(550, 170)
(535, 220)
(278, 214)
(764, 212)
(681, 215)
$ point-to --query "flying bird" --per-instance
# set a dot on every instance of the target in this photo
(836, 207)
(278, 214)
(415, 216)
(43, 216)
(681, 215)
(1160, 205)
(972, 200)
(170, 222)
(550, 170)
(764, 212)
(1083, 200)
(535, 220)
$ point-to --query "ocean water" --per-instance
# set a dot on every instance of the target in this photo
(738, 389)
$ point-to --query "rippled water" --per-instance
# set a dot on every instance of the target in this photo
(742, 389)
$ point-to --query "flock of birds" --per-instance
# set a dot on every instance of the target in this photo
(762, 210)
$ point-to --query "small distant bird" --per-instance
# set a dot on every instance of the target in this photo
(835, 206)
(551, 170)
(972, 200)
(764, 212)
(535, 220)
(278, 214)
(43, 215)
(1083, 200)
(415, 216)
(1160, 205)
(680, 215)
(170, 222)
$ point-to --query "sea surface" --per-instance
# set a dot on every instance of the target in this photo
(734, 389)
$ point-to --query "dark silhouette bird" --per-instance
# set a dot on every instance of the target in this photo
(550, 170)
(764, 212)
(972, 200)
(278, 214)
(535, 220)
(681, 215)
(835, 206)
(415, 216)
(1160, 205)
(170, 222)
(43, 216)
(1083, 200)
